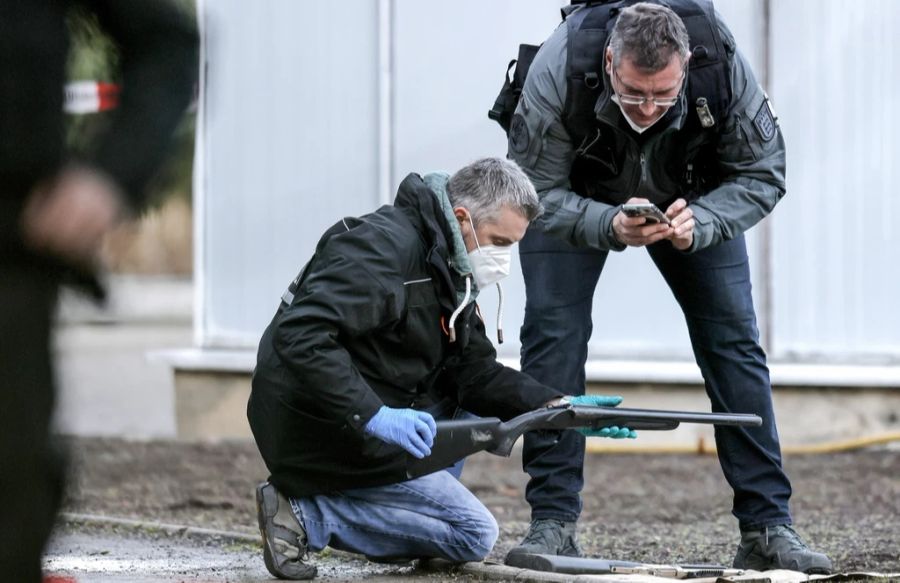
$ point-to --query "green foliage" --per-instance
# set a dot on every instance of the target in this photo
(93, 54)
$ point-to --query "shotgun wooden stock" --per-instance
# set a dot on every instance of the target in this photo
(461, 438)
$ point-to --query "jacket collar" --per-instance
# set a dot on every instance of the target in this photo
(423, 208)
(425, 211)
(459, 261)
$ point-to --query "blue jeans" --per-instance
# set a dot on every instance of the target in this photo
(712, 287)
(431, 516)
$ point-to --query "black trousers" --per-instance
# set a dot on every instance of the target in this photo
(31, 468)
(712, 286)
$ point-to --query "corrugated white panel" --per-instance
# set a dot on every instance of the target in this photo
(289, 145)
(449, 63)
(836, 84)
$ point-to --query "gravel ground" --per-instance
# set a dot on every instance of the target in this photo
(654, 508)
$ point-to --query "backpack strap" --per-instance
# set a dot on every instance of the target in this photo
(506, 101)
(709, 90)
(588, 31)
(508, 98)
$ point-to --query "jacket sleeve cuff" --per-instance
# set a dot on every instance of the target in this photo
(704, 229)
(359, 416)
(600, 216)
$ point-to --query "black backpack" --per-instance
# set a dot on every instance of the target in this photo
(709, 79)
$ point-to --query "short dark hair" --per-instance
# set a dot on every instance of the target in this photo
(649, 34)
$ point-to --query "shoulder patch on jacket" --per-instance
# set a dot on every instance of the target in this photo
(518, 134)
(764, 122)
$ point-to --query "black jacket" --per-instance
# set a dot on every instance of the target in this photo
(364, 325)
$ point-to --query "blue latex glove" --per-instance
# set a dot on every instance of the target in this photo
(602, 401)
(412, 430)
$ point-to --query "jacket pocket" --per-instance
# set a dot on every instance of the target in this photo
(311, 433)
(421, 334)
(420, 292)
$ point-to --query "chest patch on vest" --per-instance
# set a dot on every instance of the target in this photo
(518, 134)
(764, 122)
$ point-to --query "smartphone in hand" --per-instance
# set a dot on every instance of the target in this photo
(648, 210)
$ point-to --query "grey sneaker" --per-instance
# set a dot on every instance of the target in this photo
(778, 547)
(284, 538)
(546, 536)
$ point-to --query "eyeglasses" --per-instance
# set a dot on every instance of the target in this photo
(641, 100)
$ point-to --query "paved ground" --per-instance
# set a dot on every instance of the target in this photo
(95, 555)
(112, 556)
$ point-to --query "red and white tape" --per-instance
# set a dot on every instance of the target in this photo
(90, 96)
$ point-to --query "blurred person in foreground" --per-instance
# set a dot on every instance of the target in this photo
(54, 212)
(378, 335)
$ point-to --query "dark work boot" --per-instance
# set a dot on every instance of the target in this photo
(284, 538)
(778, 547)
(546, 536)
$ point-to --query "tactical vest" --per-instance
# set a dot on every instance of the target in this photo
(708, 90)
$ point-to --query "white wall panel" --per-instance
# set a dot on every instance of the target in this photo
(836, 84)
(289, 141)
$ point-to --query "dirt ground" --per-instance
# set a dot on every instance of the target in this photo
(655, 508)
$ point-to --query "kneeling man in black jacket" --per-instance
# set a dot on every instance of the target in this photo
(377, 335)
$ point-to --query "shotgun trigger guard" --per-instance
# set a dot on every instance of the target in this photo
(560, 417)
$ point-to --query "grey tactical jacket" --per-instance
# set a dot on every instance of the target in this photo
(749, 149)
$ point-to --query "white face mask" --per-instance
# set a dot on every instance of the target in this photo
(634, 126)
(490, 263)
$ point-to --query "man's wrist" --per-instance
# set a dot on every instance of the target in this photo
(607, 224)
(613, 236)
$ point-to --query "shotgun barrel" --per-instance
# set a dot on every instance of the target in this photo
(458, 439)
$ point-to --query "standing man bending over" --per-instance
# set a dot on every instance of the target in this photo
(635, 116)
(376, 335)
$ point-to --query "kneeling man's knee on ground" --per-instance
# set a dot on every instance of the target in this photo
(474, 537)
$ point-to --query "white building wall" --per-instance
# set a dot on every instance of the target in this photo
(289, 144)
(298, 98)
(836, 239)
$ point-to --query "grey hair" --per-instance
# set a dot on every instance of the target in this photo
(649, 34)
(487, 185)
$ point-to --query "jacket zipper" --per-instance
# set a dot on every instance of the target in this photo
(638, 176)
(643, 168)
